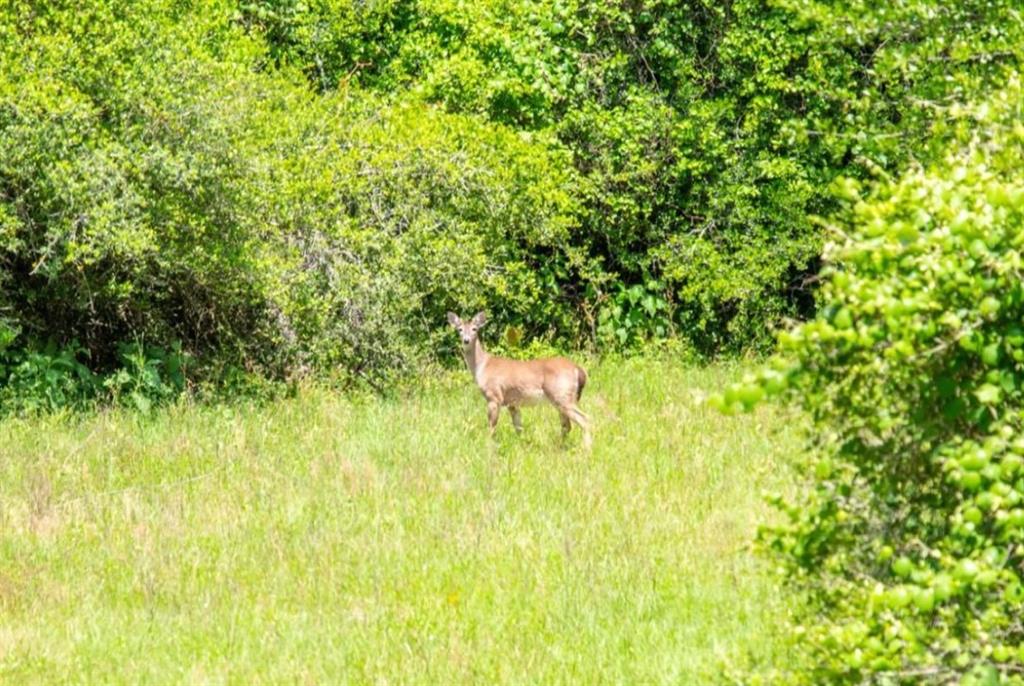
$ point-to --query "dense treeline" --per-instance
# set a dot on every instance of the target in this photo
(705, 134)
(280, 187)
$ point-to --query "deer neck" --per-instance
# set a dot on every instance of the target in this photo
(476, 357)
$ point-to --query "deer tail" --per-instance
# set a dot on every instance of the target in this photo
(581, 381)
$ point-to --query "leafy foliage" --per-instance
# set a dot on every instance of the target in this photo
(704, 133)
(285, 188)
(45, 379)
(159, 190)
(146, 375)
(910, 541)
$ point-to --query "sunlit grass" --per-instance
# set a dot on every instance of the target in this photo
(321, 539)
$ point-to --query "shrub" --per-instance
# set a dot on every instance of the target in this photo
(152, 187)
(909, 541)
(43, 379)
(146, 375)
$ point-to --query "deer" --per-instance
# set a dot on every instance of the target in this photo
(515, 383)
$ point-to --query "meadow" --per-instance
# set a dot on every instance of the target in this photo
(326, 538)
(202, 201)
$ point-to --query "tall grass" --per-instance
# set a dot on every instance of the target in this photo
(321, 539)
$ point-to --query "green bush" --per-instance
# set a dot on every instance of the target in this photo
(909, 542)
(152, 187)
(704, 133)
(47, 378)
(43, 379)
(146, 375)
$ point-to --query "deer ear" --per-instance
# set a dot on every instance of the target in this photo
(454, 320)
(480, 319)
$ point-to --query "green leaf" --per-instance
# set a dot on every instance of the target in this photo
(988, 394)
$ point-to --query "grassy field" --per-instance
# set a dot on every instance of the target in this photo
(321, 539)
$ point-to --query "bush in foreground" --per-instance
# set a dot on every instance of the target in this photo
(910, 545)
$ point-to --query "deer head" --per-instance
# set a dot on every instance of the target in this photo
(468, 331)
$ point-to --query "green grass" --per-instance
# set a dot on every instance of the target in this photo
(320, 539)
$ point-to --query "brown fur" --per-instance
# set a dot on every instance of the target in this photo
(515, 383)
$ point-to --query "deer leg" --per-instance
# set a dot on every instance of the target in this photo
(493, 409)
(517, 418)
(581, 421)
(566, 425)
